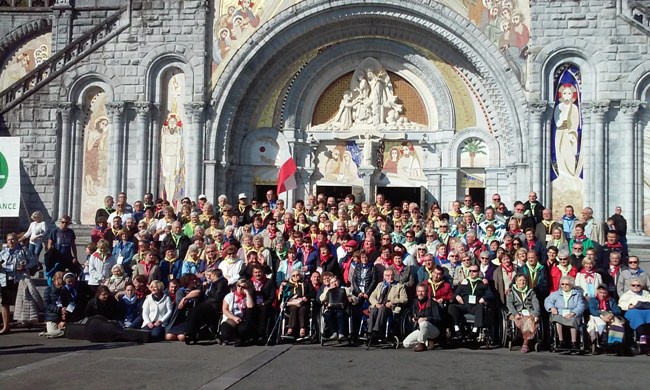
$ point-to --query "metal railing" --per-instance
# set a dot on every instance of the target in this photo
(64, 59)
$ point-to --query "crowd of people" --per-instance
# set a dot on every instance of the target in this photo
(205, 269)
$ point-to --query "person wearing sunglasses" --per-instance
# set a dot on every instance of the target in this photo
(469, 298)
(637, 303)
(604, 311)
(63, 239)
(633, 270)
(236, 324)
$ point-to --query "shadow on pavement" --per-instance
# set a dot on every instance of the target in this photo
(18, 349)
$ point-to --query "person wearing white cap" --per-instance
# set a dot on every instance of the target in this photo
(202, 201)
(244, 210)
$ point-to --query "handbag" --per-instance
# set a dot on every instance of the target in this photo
(616, 332)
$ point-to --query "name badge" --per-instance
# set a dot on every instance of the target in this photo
(549, 237)
(472, 299)
(9, 267)
(525, 312)
(259, 300)
(70, 307)
(565, 312)
(320, 270)
(120, 259)
(115, 242)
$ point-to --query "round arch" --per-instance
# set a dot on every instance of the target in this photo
(321, 22)
(156, 62)
(494, 148)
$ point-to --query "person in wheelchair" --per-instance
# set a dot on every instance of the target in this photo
(523, 309)
(427, 320)
(636, 302)
(336, 301)
(207, 312)
(604, 311)
(470, 297)
(566, 306)
(385, 300)
(297, 296)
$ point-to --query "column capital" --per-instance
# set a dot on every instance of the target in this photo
(115, 108)
(142, 109)
(65, 109)
(597, 109)
(195, 110)
(537, 107)
(629, 108)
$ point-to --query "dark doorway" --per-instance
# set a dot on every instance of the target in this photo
(398, 194)
(260, 191)
(337, 192)
(478, 195)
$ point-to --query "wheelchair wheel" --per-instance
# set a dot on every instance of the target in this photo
(396, 342)
(510, 345)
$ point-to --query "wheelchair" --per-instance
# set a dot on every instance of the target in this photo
(324, 334)
(556, 346)
(513, 336)
(487, 336)
(390, 339)
(639, 339)
(281, 324)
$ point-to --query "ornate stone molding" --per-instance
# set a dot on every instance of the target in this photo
(597, 109)
(115, 108)
(629, 108)
(195, 110)
(537, 108)
(142, 109)
(23, 32)
(65, 109)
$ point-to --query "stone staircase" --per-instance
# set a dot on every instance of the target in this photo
(65, 58)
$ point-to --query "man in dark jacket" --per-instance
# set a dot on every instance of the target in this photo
(426, 318)
(178, 240)
(208, 311)
(470, 297)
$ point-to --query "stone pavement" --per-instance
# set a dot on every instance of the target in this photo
(28, 362)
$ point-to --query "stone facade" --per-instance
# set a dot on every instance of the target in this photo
(229, 100)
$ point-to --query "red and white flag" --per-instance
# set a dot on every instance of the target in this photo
(287, 174)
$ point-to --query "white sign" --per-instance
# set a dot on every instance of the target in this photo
(9, 176)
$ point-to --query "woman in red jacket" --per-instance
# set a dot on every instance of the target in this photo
(562, 268)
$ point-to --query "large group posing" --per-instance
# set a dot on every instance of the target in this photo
(342, 270)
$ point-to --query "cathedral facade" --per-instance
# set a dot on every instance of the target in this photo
(425, 100)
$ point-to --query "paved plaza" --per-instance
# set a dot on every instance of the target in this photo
(29, 362)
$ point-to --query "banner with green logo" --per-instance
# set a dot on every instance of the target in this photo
(9, 176)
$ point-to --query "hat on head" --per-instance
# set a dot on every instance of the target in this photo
(603, 286)
(242, 196)
(231, 250)
(352, 244)
(202, 196)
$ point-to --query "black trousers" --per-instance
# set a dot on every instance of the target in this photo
(242, 331)
(457, 313)
(260, 317)
(298, 316)
(203, 314)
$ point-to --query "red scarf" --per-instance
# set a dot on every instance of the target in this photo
(398, 268)
(258, 284)
(272, 234)
(531, 245)
(615, 269)
(147, 269)
(579, 238)
(590, 276)
(422, 307)
(508, 271)
(508, 246)
(240, 301)
(324, 259)
(602, 305)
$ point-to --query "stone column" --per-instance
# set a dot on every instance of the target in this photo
(65, 110)
(142, 149)
(155, 150)
(434, 183)
(594, 180)
(625, 178)
(76, 183)
(194, 153)
(538, 166)
(116, 139)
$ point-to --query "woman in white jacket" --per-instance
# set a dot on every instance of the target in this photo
(36, 234)
(100, 264)
(156, 311)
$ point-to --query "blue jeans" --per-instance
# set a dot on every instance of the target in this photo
(35, 249)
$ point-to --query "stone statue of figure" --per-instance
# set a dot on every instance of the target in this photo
(377, 97)
(171, 154)
(567, 121)
(344, 116)
(363, 100)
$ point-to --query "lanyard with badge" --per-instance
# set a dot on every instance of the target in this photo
(472, 297)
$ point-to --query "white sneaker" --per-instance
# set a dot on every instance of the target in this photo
(334, 336)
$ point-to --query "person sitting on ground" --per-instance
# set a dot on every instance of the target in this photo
(130, 307)
(636, 301)
(427, 320)
(156, 311)
(633, 270)
(53, 308)
(523, 309)
(603, 310)
(185, 299)
(336, 300)
(588, 279)
(236, 323)
(207, 312)
(566, 306)
(118, 280)
(104, 304)
(74, 298)
(469, 298)
(297, 295)
(385, 300)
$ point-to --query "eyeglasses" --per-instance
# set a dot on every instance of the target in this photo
(65, 222)
(265, 206)
(564, 258)
(485, 258)
(564, 284)
(409, 236)
(633, 262)
(295, 276)
(241, 286)
(496, 199)
(466, 260)
(635, 285)
(422, 249)
(473, 270)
